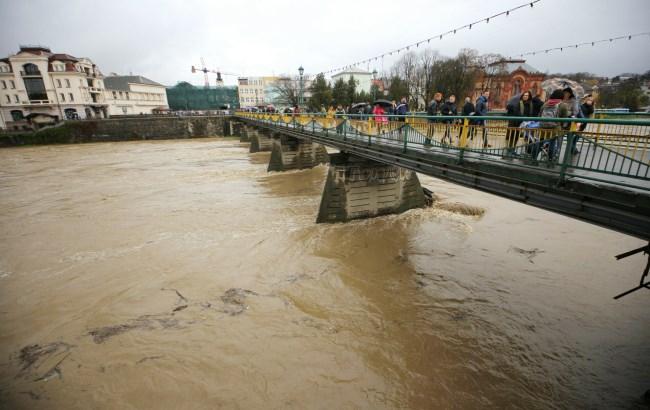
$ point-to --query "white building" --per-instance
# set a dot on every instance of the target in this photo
(362, 77)
(256, 91)
(134, 94)
(38, 87)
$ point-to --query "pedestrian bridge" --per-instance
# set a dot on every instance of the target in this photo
(599, 173)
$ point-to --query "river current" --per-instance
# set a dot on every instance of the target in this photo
(180, 274)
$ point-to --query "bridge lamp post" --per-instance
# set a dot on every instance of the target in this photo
(374, 83)
(301, 71)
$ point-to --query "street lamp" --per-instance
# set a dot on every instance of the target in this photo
(301, 71)
(374, 83)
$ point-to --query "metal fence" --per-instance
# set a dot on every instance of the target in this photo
(609, 150)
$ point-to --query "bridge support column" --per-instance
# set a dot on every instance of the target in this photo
(259, 141)
(292, 153)
(244, 133)
(360, 188)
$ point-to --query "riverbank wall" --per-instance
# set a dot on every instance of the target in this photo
(123, 129)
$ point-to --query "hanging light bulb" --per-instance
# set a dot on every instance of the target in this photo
(454, 31)
(531, 4)
(507, 13)
(629, 37)
(470, 26)
(487, 20)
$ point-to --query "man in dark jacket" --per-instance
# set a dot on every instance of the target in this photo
(432, 111)
(482, 110)
(402, 109)
(449, 108)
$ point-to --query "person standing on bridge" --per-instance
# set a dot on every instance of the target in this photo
(449, 108)
(522, 108)
(482, 108)
(587, 109)
(380, 117)
(551, 131)
(432, 111)
(468, 110)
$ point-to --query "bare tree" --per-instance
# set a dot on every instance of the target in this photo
(286, 91)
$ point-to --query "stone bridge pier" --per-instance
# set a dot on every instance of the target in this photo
(260, 140)
(360, 188)
(292, 153)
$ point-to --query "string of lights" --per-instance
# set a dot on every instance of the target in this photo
(585, 44)
(428, 40)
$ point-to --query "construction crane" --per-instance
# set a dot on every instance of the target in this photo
(205, 72)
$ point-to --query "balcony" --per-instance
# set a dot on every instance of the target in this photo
(36, 73)
(95, 90)
(37, 102)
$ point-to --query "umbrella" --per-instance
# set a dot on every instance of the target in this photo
(357, 105)
(385, 103)
(561, 83)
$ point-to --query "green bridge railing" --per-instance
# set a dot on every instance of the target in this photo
(615, 151)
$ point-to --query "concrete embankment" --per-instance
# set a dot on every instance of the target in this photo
(123, 129)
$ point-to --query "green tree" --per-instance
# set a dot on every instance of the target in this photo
(352, 91)
(398, 88)
(321, 93)
(340, 91)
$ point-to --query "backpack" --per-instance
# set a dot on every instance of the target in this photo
(549, 111)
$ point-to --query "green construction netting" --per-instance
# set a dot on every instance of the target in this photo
(185, 96)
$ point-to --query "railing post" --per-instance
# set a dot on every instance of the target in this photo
(464, 132)
(406, 131)
(567, 151)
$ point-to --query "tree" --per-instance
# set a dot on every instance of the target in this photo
(321, 93)
(398, 88)
(351, 91)
(286, 91)
(340, 92)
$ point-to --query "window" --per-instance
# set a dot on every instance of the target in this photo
(16, 98)
(71, 97)
(8, 98)
(17, 115)
(4, 85)
(35, 88)
(62, 97)
(120, 95)
(114, 95)
(13, 85)
(67, 83)
(58, 83)
(31, 69)
(127, 95)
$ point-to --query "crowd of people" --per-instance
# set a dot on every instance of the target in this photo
(561, 103)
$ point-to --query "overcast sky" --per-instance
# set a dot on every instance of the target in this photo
(163, 39)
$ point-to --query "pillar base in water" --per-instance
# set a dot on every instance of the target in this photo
(359, 188)
(259, 141)
(292, 153)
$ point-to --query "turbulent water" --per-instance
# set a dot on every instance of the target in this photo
(180, 274)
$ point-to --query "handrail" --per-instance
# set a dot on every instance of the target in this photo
(441, 118)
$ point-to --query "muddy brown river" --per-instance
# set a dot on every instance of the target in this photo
(181, 275)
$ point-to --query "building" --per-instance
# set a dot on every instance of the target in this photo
(134, 94)
(257, 91)
(38, 87)
(362, 77)
(506, 78)
(186, 97)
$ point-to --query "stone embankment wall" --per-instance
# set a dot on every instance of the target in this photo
(123, 129)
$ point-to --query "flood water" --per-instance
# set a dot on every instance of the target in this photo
(180, 274)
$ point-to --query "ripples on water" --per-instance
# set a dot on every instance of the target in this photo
(180, 274)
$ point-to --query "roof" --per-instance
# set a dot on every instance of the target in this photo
(511, 66)
(63, 57)
(353, 70)
(121, 82)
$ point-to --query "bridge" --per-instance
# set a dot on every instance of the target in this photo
(605, 180)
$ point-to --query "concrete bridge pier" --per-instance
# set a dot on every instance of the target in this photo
(293, 153)
(243, 132)
(259, 140)
(360, 188)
